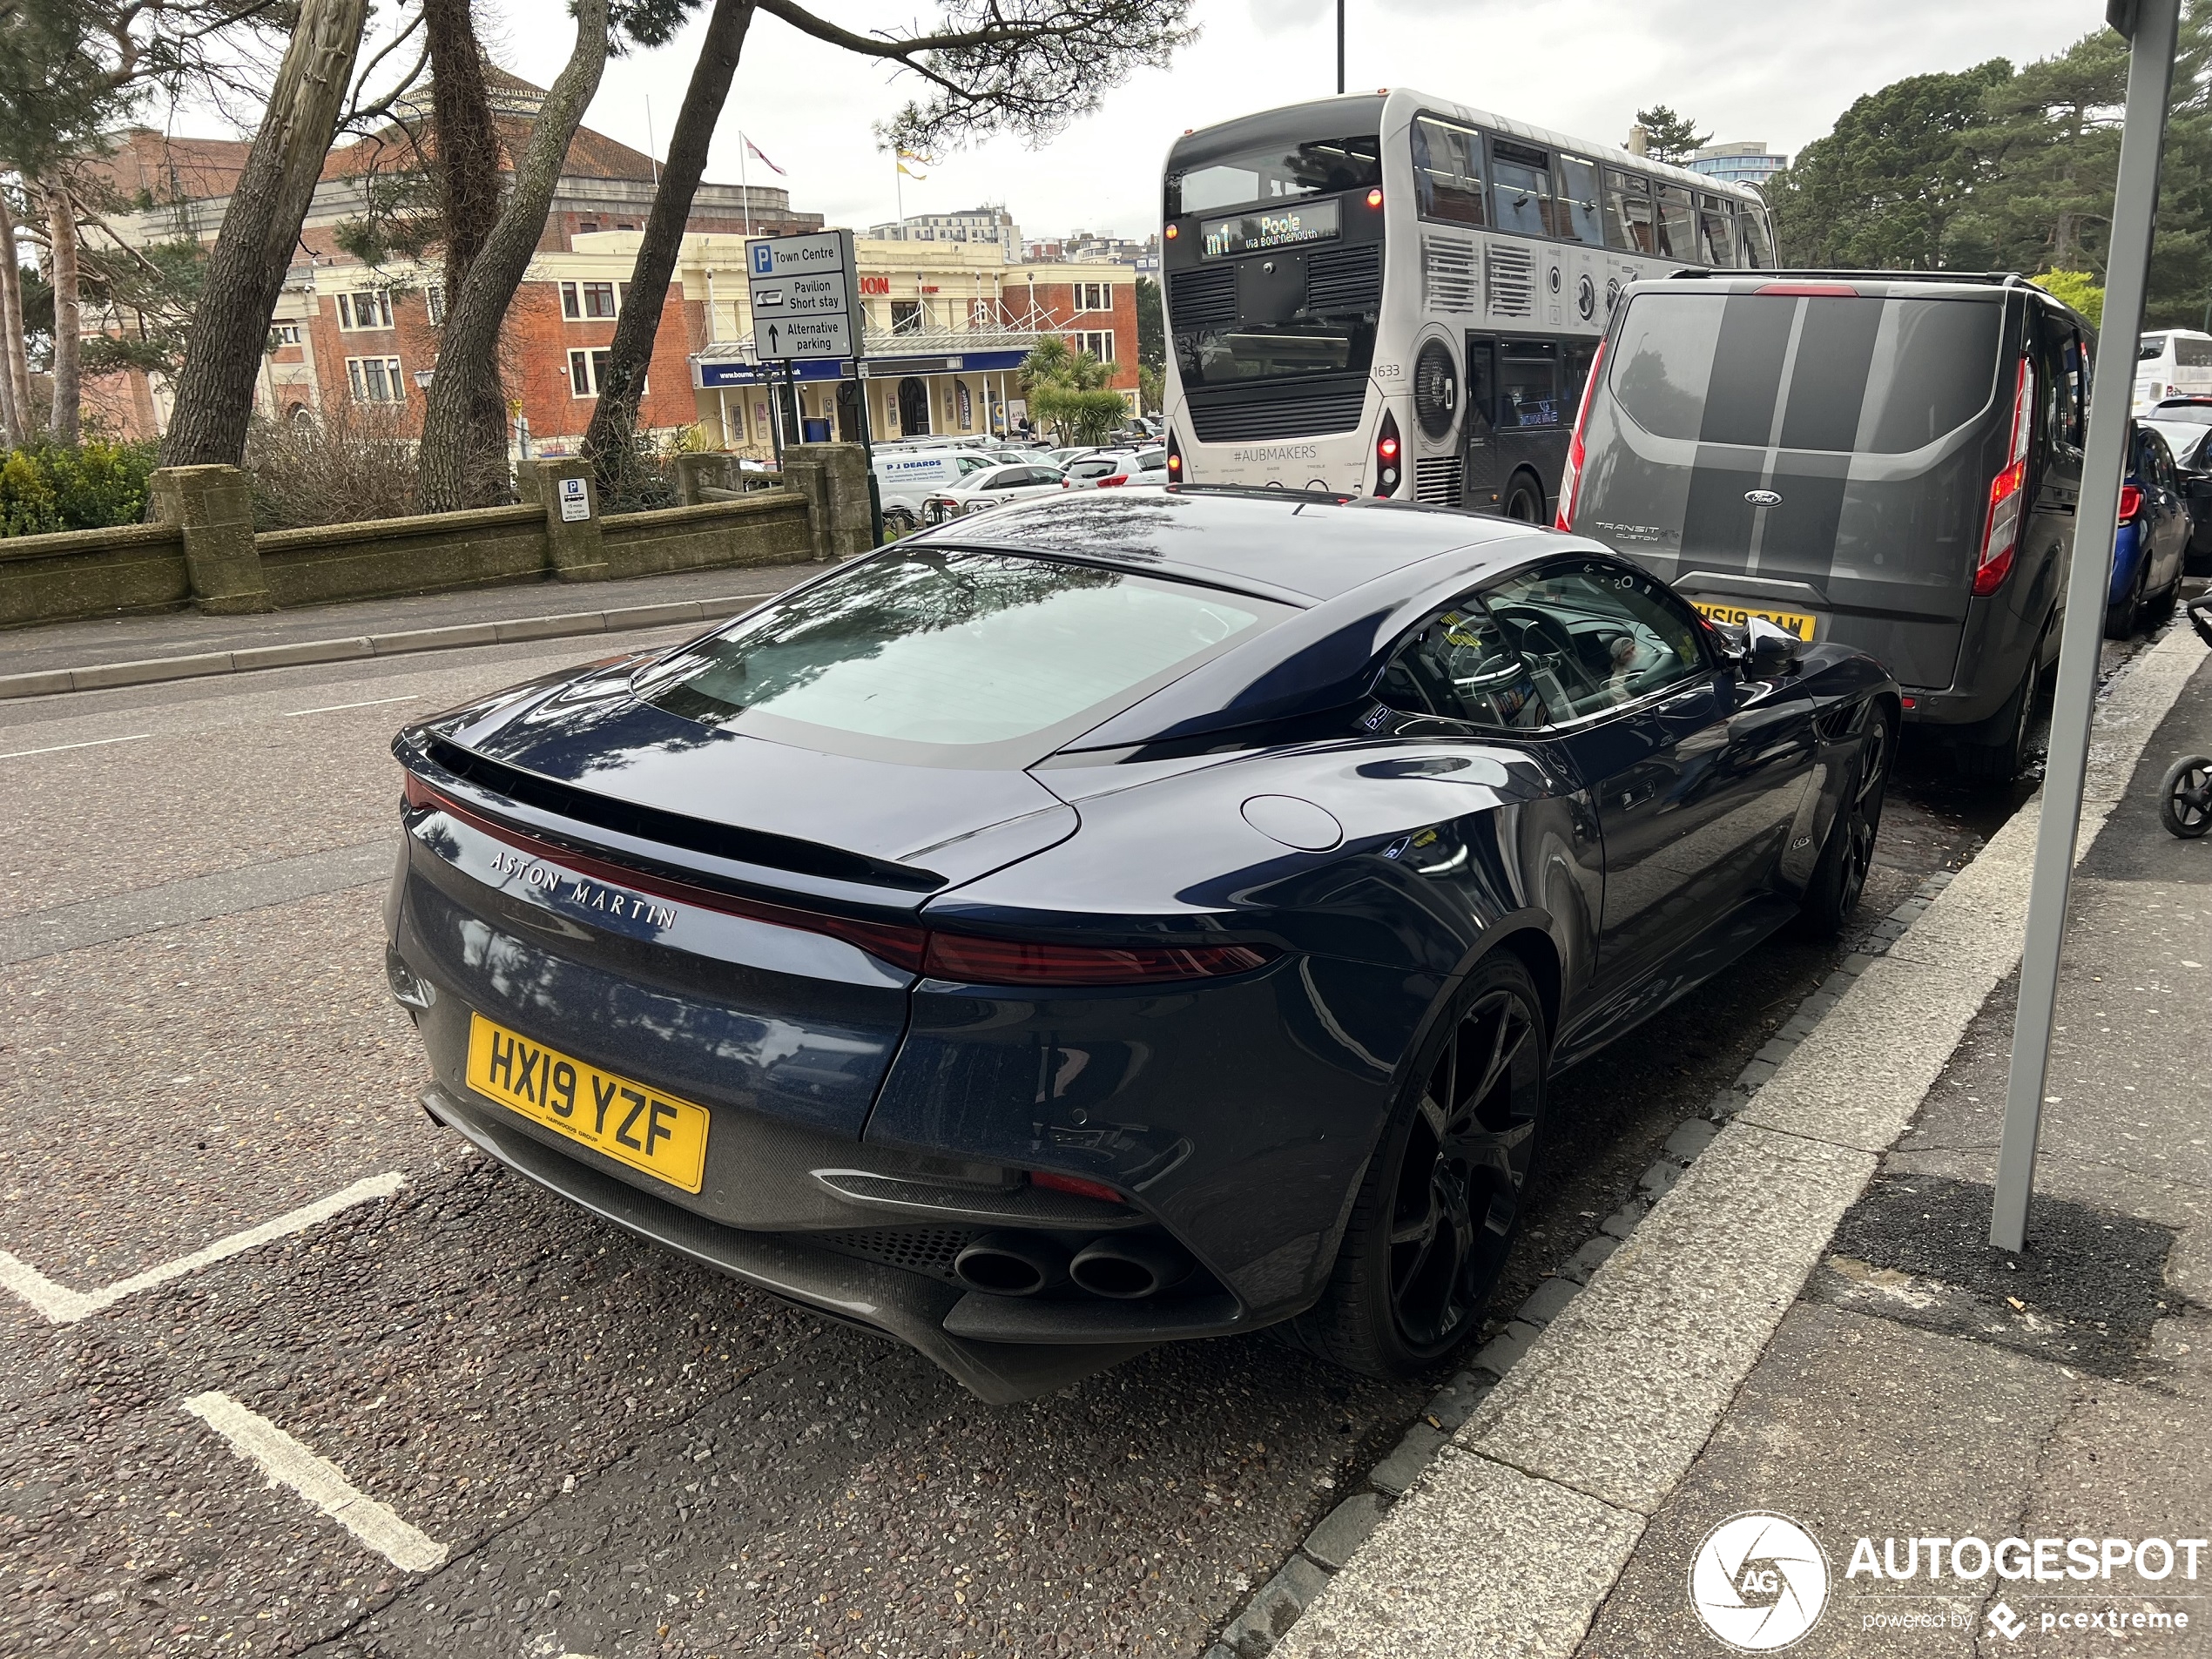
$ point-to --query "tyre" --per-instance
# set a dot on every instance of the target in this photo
(1839, 877)
(2123, 618)
(2185, 796)
(2159, 610)
(1994, 756)
(1524, 501)
(1441, 1202)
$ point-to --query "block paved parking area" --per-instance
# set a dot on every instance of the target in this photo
(447, 1414)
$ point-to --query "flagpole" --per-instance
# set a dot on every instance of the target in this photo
(899, 185)
(745, 190)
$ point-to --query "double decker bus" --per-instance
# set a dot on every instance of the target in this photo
(1395, 294)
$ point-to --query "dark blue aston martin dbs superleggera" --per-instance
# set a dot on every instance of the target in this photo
(1115, 919)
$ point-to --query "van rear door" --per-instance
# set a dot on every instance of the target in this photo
(1807, 451)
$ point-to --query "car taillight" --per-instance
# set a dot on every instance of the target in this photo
(1175, 459)
(1052, 1182)
(1015, 961)
(1571, 477)
(1386, 455)
(2131, 501)
(969, 959)
(2007, 493)
(1118, 478)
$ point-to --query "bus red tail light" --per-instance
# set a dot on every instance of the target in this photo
(1387, 456)
(1570, 477)
(1374, 199)
(1175, 458)
(2131, 501)
(2007, 493)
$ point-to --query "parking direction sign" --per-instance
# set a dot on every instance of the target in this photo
(805, 297)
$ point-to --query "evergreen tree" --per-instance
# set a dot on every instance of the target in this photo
(1668, 136)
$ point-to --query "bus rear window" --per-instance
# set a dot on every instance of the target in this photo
(1805, 372)
(1276, 173)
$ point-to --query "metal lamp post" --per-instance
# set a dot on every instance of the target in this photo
(2150, 27)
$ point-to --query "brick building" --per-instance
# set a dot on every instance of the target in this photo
(948, 321)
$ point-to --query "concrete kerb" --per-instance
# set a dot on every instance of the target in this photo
(104, 676)
(1506, 1540)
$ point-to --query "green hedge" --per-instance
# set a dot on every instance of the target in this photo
(49, 487)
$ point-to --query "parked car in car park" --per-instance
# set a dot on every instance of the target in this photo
(907, 477)
(2186, 424)
(993, 487)
(1119, 920)
(1890, 461)
(2151, 545)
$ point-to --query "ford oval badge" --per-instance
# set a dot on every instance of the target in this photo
(1762, 498)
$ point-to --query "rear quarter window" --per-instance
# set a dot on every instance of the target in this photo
(1823, 373)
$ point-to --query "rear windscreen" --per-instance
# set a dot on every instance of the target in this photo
(951, 650)
(1805, 372)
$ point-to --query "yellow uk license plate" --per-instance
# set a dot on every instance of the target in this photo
(631, 1124)
(1791, 622)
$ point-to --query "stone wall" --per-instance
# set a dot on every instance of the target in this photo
(203, 552)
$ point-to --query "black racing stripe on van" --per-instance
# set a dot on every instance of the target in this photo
(1746, 376)
(1828, 381)
(1799, 536)
(1716, 520)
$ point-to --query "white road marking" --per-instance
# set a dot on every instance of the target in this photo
(321, 1482)
(55, 748)
(334, 708)
(62, 1305)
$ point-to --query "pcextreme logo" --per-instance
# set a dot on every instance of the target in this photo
(1759, 1582)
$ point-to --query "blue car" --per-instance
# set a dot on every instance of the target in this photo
(1120, 919)
(2152, 543)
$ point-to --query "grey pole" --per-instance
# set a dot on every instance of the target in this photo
(2150, 25)
(1340, 5)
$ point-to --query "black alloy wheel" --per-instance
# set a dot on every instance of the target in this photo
(1839, 879)
(1443, 1198)
(1995, 759)
(1524, 501)
(2124, 617)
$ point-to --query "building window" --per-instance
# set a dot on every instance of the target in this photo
(1099, 344)
(284, 334)
(370, 308)
(434, 302)
(587, 226)
(906, 316)
(592, 300)
(587, 371)
(1094, 296)
(375, 380)
(598, 298)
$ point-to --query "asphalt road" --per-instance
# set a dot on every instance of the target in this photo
(615, 1453)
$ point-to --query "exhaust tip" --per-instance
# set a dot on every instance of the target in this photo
(1005, 1264)
(1131, 1270)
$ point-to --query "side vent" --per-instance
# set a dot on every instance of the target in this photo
(1203, 298)
(1510, 272)
(1436, 480)
(1448, 281)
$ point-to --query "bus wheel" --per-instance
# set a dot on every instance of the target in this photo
(1524, 501)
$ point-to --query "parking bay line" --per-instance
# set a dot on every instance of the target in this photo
(62, 1305)
(321, 1482)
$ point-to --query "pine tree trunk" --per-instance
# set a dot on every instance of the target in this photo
(614, 418)
(469, 354)
(69, 346)
(14, 384)
(466, 161)
(261, 228)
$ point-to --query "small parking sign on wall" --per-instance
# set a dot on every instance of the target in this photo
(575, 501)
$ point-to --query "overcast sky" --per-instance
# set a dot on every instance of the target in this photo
(1779, 71)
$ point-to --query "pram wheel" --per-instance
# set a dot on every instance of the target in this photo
(2185, 798)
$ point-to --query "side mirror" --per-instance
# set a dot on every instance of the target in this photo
(1768, 651)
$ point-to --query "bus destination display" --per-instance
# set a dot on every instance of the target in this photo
(1250, 233)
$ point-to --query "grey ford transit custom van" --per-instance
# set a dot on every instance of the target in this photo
(1889, 459)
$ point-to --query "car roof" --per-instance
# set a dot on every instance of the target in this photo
(1304, 548)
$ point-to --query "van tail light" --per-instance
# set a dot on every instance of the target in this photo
(1810, 290)
(1175, 458)
(2007, 493)
(1570, 478)
(2131, 501)
(1389, 458)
